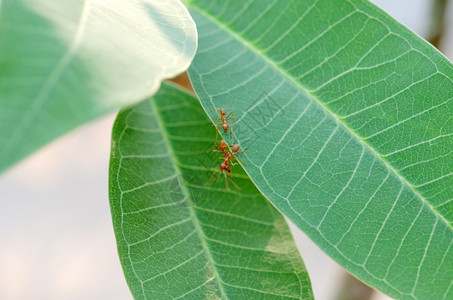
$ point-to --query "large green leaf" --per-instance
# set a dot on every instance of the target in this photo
(177, 237)
(347, 116)
(63, 63)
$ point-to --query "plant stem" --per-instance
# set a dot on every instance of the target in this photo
(354, 289)
(182, 80)
(437, 27)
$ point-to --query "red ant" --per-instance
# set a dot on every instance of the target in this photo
(228, 156)
(222, 120)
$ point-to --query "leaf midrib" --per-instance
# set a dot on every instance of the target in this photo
(315, 99)
(186, 194)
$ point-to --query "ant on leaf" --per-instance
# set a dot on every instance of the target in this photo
(225, 166)
(222, 121)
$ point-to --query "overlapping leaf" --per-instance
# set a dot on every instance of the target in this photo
(63, 63)
(179, 238)
(347, 117)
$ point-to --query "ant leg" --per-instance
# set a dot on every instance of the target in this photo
(231, 134)
(241, 151)
(218, 177)
(216, 136)
(231, 126)
(226, 181)
(209, 182)
(238, 159)
(212, 176)
(217, 121)
(236, 163)
(235, 185)
(230, 116)
(219, 117)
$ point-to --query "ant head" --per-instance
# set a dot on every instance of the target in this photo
(222, 144)
(223, 166)
(235, 148)
(228, 169)
(223, 111)
(225, 127)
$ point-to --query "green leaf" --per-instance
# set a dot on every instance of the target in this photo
(179, 238)
(347, 116)
(63, 63)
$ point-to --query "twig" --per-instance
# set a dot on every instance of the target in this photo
(437, 27)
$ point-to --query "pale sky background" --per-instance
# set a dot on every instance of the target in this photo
(56, 234)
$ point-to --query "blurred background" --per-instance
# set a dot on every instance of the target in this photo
(56, 234)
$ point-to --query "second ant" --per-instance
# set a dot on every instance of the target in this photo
(228, 156)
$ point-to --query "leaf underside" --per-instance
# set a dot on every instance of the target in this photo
(347, 116)
(179, 238)
(63, 63)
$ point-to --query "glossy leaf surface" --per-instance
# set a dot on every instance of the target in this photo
(63, 63)
(179, 238)
(347, 116)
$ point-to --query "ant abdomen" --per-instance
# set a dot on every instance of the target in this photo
(235, 148)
